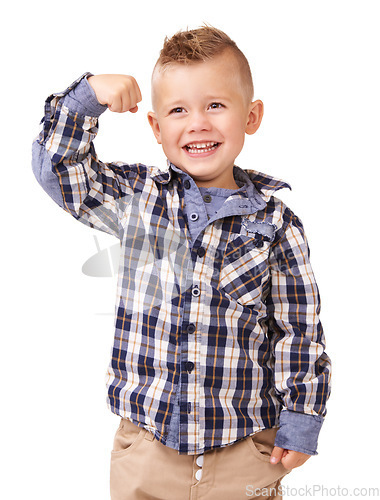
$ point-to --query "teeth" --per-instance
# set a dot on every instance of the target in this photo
(201, 147)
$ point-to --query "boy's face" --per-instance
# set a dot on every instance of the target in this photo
(201, 115)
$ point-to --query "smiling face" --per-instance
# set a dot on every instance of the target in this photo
(201, 115)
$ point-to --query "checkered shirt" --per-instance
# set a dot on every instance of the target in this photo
(234, 310)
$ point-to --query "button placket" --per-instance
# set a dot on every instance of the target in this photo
(196, 216)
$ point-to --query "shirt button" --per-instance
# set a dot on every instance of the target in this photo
(198, 474)
(187, 184)
(195, 291)
(189, 366)
(201, 251)
(190, 328)
(199, 461)
(194, 216)
(207, 198)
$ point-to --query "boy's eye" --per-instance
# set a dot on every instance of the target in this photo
(216, 105)
(177, 110)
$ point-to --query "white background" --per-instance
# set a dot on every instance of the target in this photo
(316, 67)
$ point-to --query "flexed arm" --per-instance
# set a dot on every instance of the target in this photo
(64, 158)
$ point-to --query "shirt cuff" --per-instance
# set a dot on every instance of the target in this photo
(82, 99)
(299, 432)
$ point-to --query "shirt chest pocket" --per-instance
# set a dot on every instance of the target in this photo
(245, 269)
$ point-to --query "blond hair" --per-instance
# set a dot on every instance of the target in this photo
(200, 45)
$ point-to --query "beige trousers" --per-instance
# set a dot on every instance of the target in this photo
(142, 468)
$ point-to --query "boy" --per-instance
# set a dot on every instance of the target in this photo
(218, 369)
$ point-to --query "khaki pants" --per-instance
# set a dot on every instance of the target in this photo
(142, 468)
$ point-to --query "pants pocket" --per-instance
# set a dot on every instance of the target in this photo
(262, 444)
(127, 438)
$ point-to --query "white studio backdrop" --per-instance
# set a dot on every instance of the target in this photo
(315, 66)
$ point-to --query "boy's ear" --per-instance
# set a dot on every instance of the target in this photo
(153, 122)
(256, 111)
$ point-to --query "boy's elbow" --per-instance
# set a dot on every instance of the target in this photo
(41, 166)
(37, 160)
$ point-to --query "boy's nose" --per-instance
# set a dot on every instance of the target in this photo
(198, 121)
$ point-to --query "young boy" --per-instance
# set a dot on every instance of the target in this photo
(218, 369)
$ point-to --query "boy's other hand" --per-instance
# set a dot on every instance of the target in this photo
(120, 93)
(290, 459)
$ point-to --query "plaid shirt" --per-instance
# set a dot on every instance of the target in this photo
(233, 309)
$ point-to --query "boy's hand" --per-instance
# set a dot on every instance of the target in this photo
(119, 92)
(289, 458)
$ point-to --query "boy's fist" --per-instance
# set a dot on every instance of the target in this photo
(119, 92)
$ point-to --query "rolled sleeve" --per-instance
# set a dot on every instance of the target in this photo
(299, 432)
(82, 99)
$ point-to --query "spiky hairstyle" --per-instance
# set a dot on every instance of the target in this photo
(203, 44)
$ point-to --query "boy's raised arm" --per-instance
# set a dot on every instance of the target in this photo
(64, 159)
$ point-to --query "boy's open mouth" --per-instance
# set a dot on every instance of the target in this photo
(201, 147)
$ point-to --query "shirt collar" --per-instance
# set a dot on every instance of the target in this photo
(256, 184)
(262, 183)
